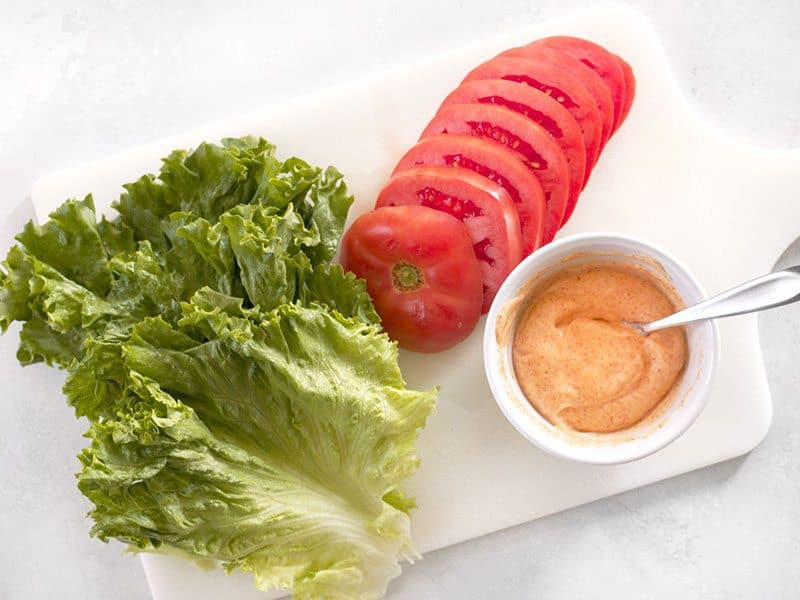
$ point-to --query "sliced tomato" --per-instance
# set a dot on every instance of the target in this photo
(495, 162)
(630, 88)
(421, 272)
(564, 87)
(592, 81)
(599, 60)
(482, 205)
(542, 109)
(529, 141)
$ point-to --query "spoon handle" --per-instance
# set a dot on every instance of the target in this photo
(767, 291)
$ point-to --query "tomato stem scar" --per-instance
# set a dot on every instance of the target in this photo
(407, 277)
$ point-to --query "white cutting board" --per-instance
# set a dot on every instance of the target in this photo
(724, 209)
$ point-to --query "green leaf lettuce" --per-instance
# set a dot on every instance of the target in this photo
(244, 405)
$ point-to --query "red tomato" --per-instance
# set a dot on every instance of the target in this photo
(599, 60)
(527, 139)
(542, 109)
(592, 81)
(495, 162)
(421, 272)
(564, 87)
(630, 88)
(482, 205)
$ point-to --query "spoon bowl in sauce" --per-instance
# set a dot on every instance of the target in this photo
(768, 291)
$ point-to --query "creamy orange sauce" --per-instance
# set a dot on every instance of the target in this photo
(579, 365)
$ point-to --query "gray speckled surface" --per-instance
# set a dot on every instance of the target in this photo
(79, 80)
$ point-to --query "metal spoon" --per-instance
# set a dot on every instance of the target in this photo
(768, 291)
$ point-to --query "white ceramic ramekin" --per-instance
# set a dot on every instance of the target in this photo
(630, 444)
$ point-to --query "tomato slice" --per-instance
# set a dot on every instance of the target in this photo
(630, 88)
(564, 87)
(421, 272)
(482, 205)
(599, 60)
(529, 141)
(542, 109)
(495, 162)
(592, 81)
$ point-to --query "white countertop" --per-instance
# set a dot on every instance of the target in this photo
(78, 82)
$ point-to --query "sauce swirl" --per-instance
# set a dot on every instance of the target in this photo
(576, 361)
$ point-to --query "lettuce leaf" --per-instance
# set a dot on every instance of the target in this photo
(71, 244)
(288, 466)
(244, 406)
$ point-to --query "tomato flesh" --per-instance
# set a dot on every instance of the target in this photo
(493, 228)
(452, 205)
(564, 88)
(530, 142)
(459, 160)
(421, 273)
(510, 140)
(496, 163)
(599, 60)
(590, 79)
(559, 95)
(540, 108)
(549, 124)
